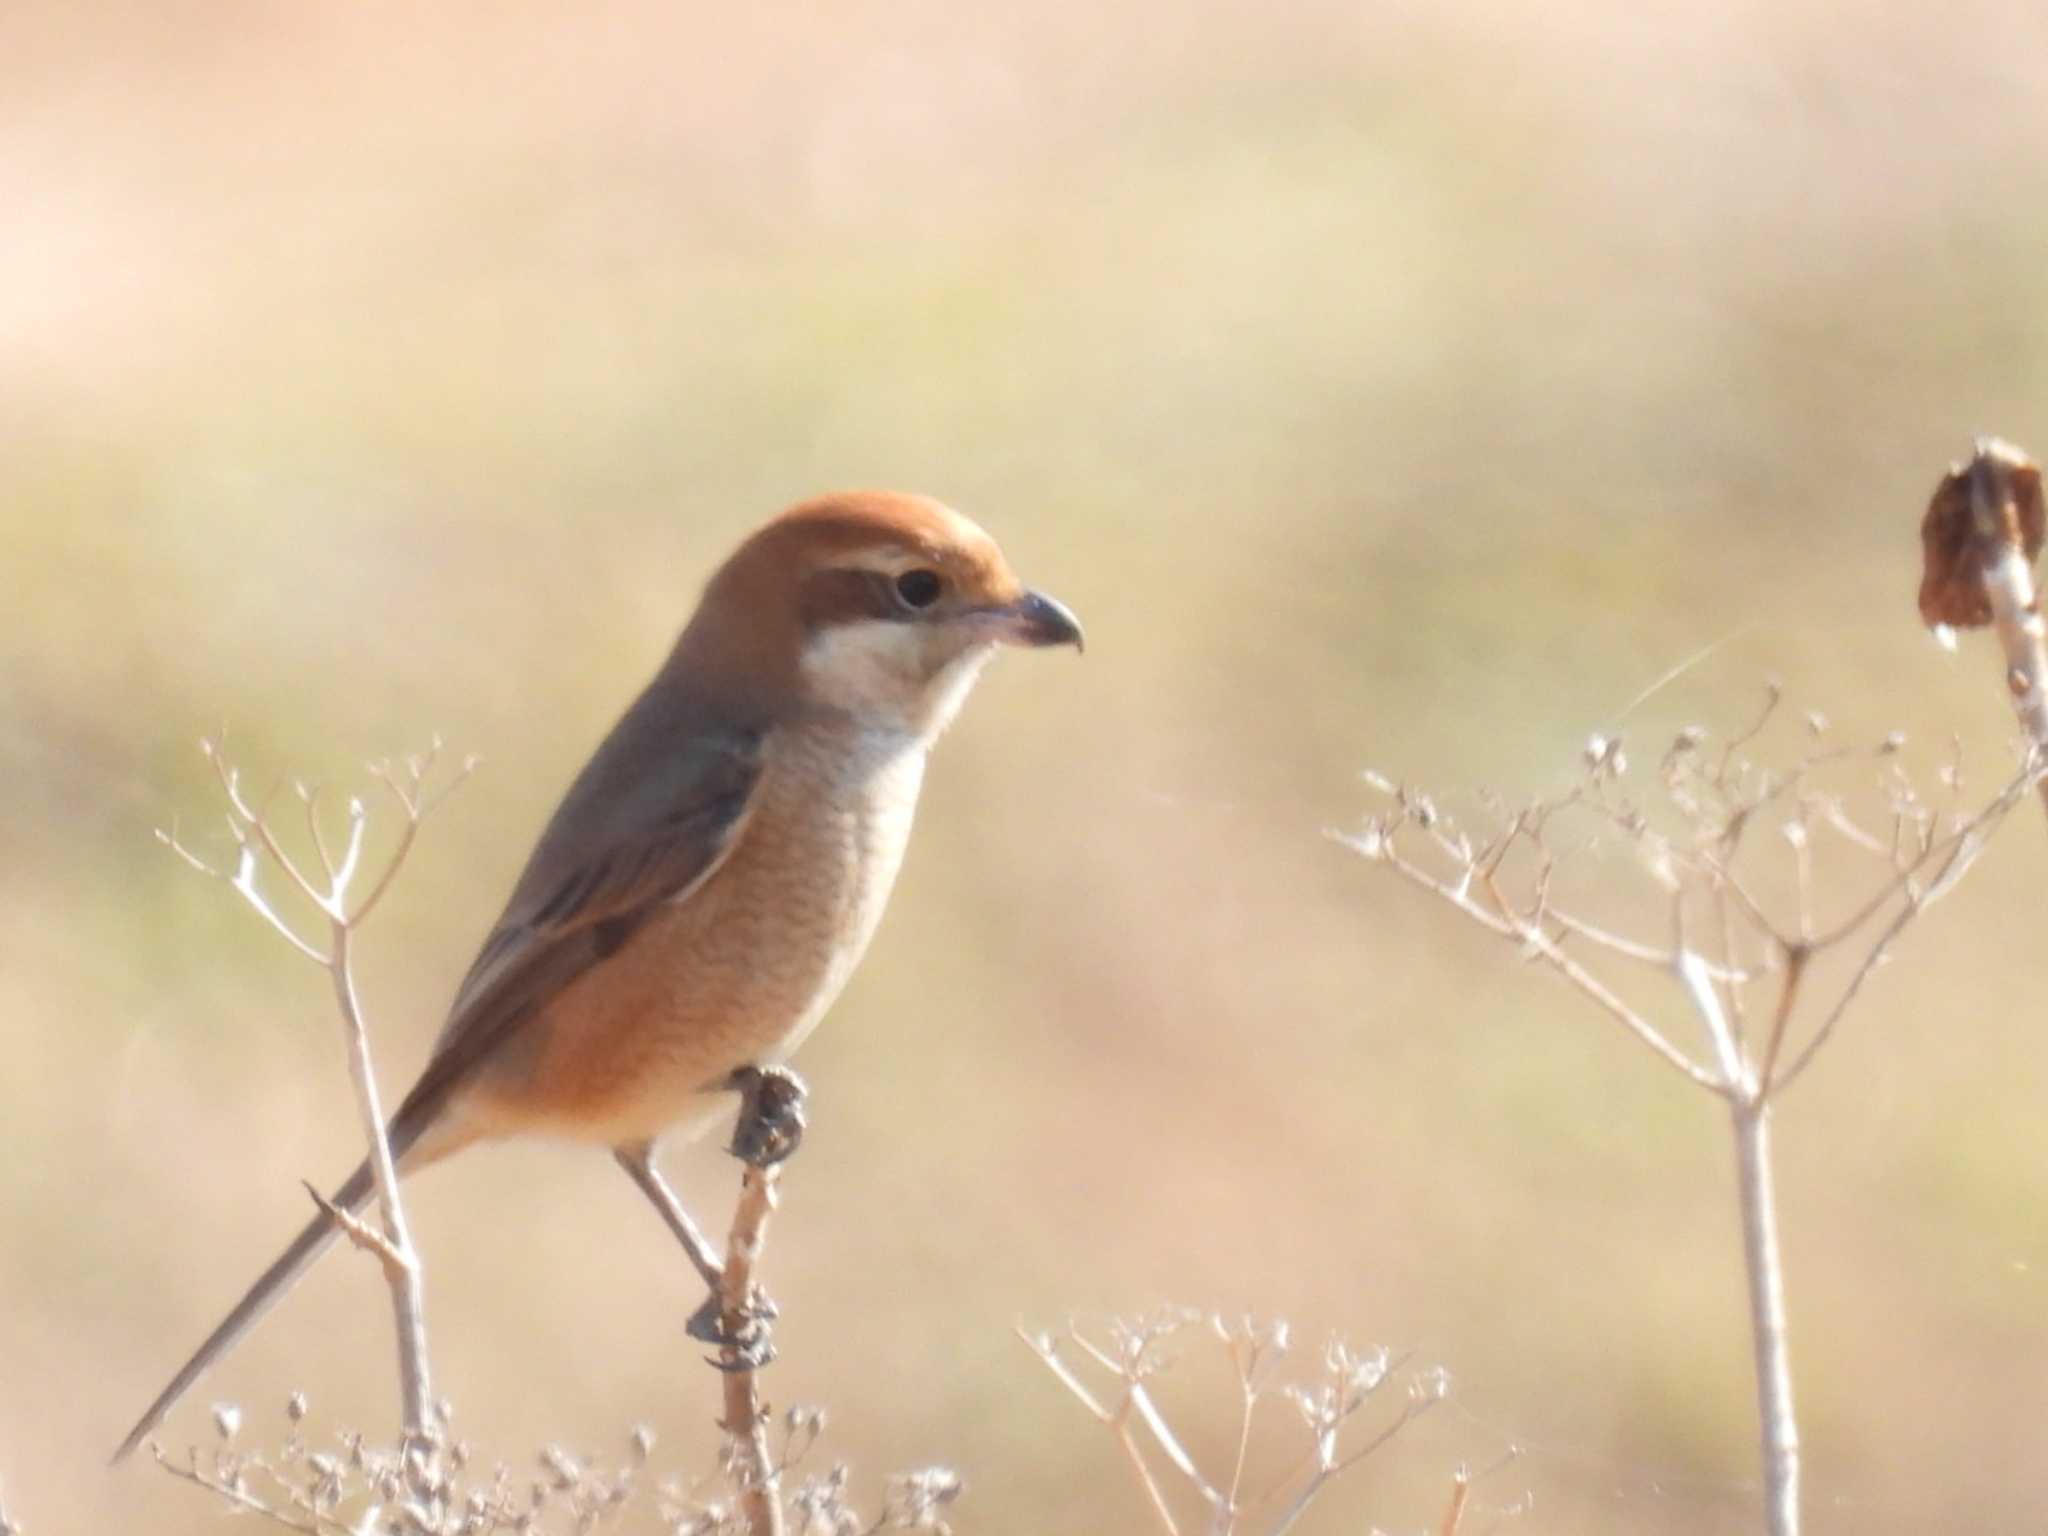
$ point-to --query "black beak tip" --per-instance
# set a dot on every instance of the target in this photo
(1048, 621)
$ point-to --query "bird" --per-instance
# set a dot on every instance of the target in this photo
(715, 872)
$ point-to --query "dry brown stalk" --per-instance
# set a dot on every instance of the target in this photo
(1461, 1492)
(1351, 1382)
(1983, 529)
(746, 1418)
(417, 1488)
(769, 1128)
(1694, 833)
(329, 892)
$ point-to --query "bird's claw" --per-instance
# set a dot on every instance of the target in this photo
(745, 1347)
(771, 1120)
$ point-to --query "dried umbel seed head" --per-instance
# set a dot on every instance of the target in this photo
(1982, 507)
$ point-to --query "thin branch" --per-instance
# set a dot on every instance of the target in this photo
(312, 1523)
(243, 883)
(1147, 1410)
(769, 1128)
(1454, 1516)
(1539, 944)
(746, 1420)
(256, 843)
(1763, 1268)
(1047, 1349)
(1699, 990)
(1629, 949)
(1154, 1496)
(309, 800)
(1730, 948)
(1250, 1404)
(1788, 996)
(252, 822)
(359, 1232)
(1327, 1472)
(1962, 851)
(352, 853)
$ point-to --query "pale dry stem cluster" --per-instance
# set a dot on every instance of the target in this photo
(423, 1486)
(360, 1489)
(1693, 835)
(356, 1488)
(1741, 865)
(819, 1504)
(330, 893)
(1355, 1405)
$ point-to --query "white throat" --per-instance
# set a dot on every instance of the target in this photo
(886, 674)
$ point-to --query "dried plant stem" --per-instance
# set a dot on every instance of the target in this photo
(1132, 1354)
(1748, 1095)
(1755, 1184)
(2009, 584)
(1454, 1515)
(329, 894)
(1153, 1494)
(1984, 526)
(395, 1254)
(746, 1419)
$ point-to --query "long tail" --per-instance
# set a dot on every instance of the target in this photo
(270, 1285)
(418, 1134)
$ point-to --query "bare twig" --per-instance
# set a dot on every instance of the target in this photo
(1539, 944)
(1454, 1515)
(233, 1487)
(746, 1419)
(1709, 865)
(257, 845)
(1763, 1268)
(1134, 1353)
(359, 1487)
(769, 1127)
(1954, 857)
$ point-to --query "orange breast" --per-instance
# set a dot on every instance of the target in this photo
(739, 971)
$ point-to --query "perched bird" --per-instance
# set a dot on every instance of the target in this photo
(716, 870)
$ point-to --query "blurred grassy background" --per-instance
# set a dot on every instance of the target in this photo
(1402, 385)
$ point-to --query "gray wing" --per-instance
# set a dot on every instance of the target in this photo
(651, 817)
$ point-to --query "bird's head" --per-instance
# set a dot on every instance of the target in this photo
(876, 603)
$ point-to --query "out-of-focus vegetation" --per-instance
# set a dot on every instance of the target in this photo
(1402, 386)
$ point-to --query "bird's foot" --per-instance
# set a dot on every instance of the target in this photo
(771, 1119)
(745, 1346)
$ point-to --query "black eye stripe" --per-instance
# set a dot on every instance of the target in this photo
(848, 594)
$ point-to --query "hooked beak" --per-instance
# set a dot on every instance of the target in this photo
(1037, 620)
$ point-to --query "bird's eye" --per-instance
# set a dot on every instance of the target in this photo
(919, 588)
